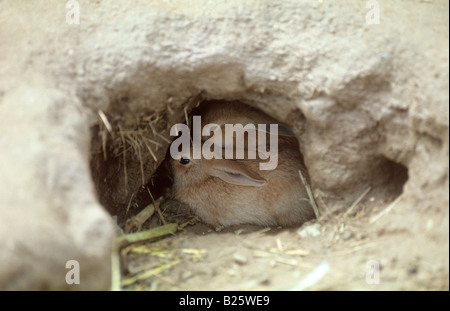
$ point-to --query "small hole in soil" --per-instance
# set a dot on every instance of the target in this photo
(395, 175)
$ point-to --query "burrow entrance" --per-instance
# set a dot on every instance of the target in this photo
(130, 159)
(130, 167)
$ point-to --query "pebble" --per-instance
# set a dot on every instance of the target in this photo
(264, 280)
(240, 259)
(412, 269)
(186, 275)
(310, 231)
(347, 236)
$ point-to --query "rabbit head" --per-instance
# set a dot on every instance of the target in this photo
(190, 172)
(227, 192)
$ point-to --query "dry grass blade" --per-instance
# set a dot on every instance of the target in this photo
(135, 223)
(149, 273)
(155, 133)
(352, 208)
(163, 138)
(106, 122)
(115, 268)
(150, 123)
(156, 204)
(192, 220)
(170, 110)
(134, 143)
(141, 165)
(147, 235)
(152, 141)
(162, 259)
(194, 254)
(124, 159)
(310, 195)
(386, 210)
(186, 116)
(313, 277)
(151, 151)
(103, 135)
(129, 203)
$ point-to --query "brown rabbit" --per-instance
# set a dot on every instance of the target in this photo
(229, 192)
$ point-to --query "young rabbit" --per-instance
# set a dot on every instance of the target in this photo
(228, 192)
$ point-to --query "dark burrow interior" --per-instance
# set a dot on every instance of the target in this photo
(396, 176)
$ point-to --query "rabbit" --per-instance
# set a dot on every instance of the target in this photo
(224, 192)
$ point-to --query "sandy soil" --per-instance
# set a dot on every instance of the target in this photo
(339, 253)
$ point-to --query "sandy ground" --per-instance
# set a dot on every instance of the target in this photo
(376, 249)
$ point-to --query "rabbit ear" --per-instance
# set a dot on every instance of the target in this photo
(235, 173)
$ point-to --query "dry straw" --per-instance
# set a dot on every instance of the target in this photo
(310, 194)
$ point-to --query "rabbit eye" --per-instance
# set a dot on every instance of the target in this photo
(185, 161)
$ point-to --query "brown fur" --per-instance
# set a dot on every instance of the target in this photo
(280, 201)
